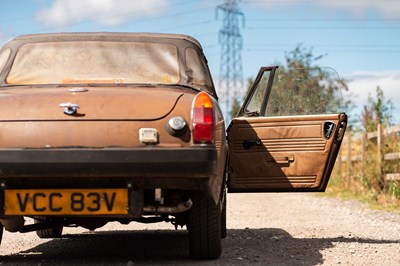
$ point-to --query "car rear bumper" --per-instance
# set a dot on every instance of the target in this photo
(109, 162)
(30, 171)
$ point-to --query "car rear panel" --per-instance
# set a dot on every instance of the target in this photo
(99, 146)
(106, 117)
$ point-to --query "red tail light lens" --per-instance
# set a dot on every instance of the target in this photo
(203, 119)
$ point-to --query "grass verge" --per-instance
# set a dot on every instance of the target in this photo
(353, 190)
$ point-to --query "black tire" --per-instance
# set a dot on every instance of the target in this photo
(53, 232)
(204, 226)
(1, 232)
(223, 217)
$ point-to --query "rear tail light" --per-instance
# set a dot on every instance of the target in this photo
(203, 119)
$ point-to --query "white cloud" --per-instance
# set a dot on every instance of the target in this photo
(103, 12)
(364, 83)
(389, 9)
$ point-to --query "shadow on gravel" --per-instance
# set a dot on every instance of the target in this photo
(274, 246)
(268, 246)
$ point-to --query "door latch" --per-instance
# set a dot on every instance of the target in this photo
(69, 108)
(329, 128)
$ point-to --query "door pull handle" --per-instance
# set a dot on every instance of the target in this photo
(248, 143)
(281, 159)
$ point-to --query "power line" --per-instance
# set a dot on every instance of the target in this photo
(174, 15)
(330, 44)
(304, 1)
(321, 28)
(334, 51)
(363, 45)
(180, 3)
(324, 19)
(338, 50)
(189, 25)
(207, 34)
(209, 46)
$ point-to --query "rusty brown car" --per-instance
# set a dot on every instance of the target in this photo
(102, 127)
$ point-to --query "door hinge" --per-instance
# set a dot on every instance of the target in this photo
(229, 170)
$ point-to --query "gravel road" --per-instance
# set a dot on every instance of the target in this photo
(263, 229)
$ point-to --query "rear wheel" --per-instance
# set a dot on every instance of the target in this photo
(1, 232)
(204, 225)
(223, 217)
(53, 232)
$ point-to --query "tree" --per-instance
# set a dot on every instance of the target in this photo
(301, 87)
(236, 104)
(305, 91)
(377, 114)
(378, 110)
(235, 108)
(301, 57)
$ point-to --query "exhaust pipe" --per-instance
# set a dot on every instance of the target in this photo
(13, 224)
(183, 206)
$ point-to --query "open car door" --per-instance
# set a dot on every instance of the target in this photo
(288, 132)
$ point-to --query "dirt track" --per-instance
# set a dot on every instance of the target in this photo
(263, 229)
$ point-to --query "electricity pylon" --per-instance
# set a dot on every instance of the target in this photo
(231, 41)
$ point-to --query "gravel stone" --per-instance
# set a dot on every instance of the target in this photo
(263, 229)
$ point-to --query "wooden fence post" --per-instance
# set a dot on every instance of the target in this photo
(364, 143)
(381, 156)
(348, 159)
(339, 162)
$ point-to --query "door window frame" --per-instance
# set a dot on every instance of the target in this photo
(243, 110)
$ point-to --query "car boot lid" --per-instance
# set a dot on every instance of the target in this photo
(87, 103)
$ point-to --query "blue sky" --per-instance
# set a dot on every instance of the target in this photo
(358, 38)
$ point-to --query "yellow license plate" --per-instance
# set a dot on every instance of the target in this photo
(65, 201)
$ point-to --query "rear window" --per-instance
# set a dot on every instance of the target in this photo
(4, 57)
(196, 68)
(95, 62)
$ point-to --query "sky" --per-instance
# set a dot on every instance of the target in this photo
(358, 38)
